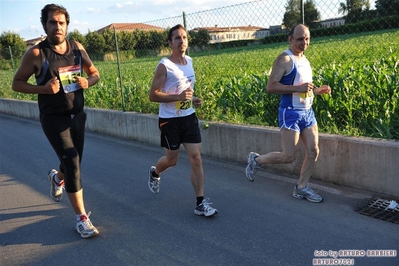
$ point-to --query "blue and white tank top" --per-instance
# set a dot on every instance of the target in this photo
(301, 72)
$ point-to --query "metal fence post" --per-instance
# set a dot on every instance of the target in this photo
(12, 59)
(119, 70)
(185, 26)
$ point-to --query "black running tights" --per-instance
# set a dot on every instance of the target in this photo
(66, 135)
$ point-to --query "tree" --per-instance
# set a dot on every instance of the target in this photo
(158, 39)
(95, 43)
(126, 41)
(355, 10)
(200, 37)
(387, 7)
(77, 36)
(109, 38)
(311, 14)
(143, 39)
(292, 15)
(353, 6)
(13, 40)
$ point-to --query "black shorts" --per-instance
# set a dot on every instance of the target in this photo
(178, 130)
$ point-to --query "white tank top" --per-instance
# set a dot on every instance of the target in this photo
(178, 78)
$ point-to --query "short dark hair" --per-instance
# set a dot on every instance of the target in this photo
(291, 33)
(53, 8)
(177, 27)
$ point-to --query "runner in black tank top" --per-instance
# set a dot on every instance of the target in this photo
(58, 65)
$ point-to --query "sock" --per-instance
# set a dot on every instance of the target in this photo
(154, 174)
(199, 200)
(78, 216)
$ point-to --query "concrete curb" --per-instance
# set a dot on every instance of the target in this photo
(363, 163)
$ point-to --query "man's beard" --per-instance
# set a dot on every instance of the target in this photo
(54, 40)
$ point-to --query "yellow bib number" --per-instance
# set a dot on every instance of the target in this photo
(184, 105)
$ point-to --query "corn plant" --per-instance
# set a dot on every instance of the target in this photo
(361, 70)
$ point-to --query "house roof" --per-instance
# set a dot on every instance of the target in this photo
(35, 41)
(130, 27)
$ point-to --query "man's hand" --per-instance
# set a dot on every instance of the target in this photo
(82, 82)
(186, 94)
(323, 90)
(197, 102)
(306, 87)
(52, 86)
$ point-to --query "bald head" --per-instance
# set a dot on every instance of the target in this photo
(297, 27)
(299, 38)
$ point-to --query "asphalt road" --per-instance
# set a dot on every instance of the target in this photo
(259, 223)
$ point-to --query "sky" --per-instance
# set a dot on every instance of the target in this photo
(23, 16)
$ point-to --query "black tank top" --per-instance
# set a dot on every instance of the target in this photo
(61, 102)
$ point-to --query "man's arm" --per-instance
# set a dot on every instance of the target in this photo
(281, 66)
(31, 62)
(156, 95)
(93, 76)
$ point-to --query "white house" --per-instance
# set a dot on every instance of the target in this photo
(228, 34)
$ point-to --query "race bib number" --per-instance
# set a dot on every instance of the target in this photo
(305, 96)
(68, 76)
(184, 105)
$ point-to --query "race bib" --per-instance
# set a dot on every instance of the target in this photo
(305, 96)
(184, 105)
(68, 76)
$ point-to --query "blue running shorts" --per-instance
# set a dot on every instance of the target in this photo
(296, 119)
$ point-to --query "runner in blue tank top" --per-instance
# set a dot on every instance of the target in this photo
(291, 77)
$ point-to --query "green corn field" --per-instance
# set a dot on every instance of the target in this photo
(362, 70)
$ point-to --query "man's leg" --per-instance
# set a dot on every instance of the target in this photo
(310, 137)
(198, 180)
(77, 202)
(169, 160)
(197, 173)
(289, 140)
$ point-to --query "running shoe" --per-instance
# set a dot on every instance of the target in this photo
(153, 182)
(85, 228)
(205, 209)
(56, 190)
(252, 166)
(306, 193)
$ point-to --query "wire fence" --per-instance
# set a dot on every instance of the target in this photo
(354, 49)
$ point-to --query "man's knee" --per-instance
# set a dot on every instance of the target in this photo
(314, 153)
(171, 161)
(195, 159)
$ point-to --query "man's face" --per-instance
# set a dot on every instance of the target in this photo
(56, 28)
(300, 40)
(179, 41)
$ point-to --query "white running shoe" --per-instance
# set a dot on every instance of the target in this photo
(306, 193)
(85, 228)
(252, 166)
(56, 190)
(205, 209)
(153, 182)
